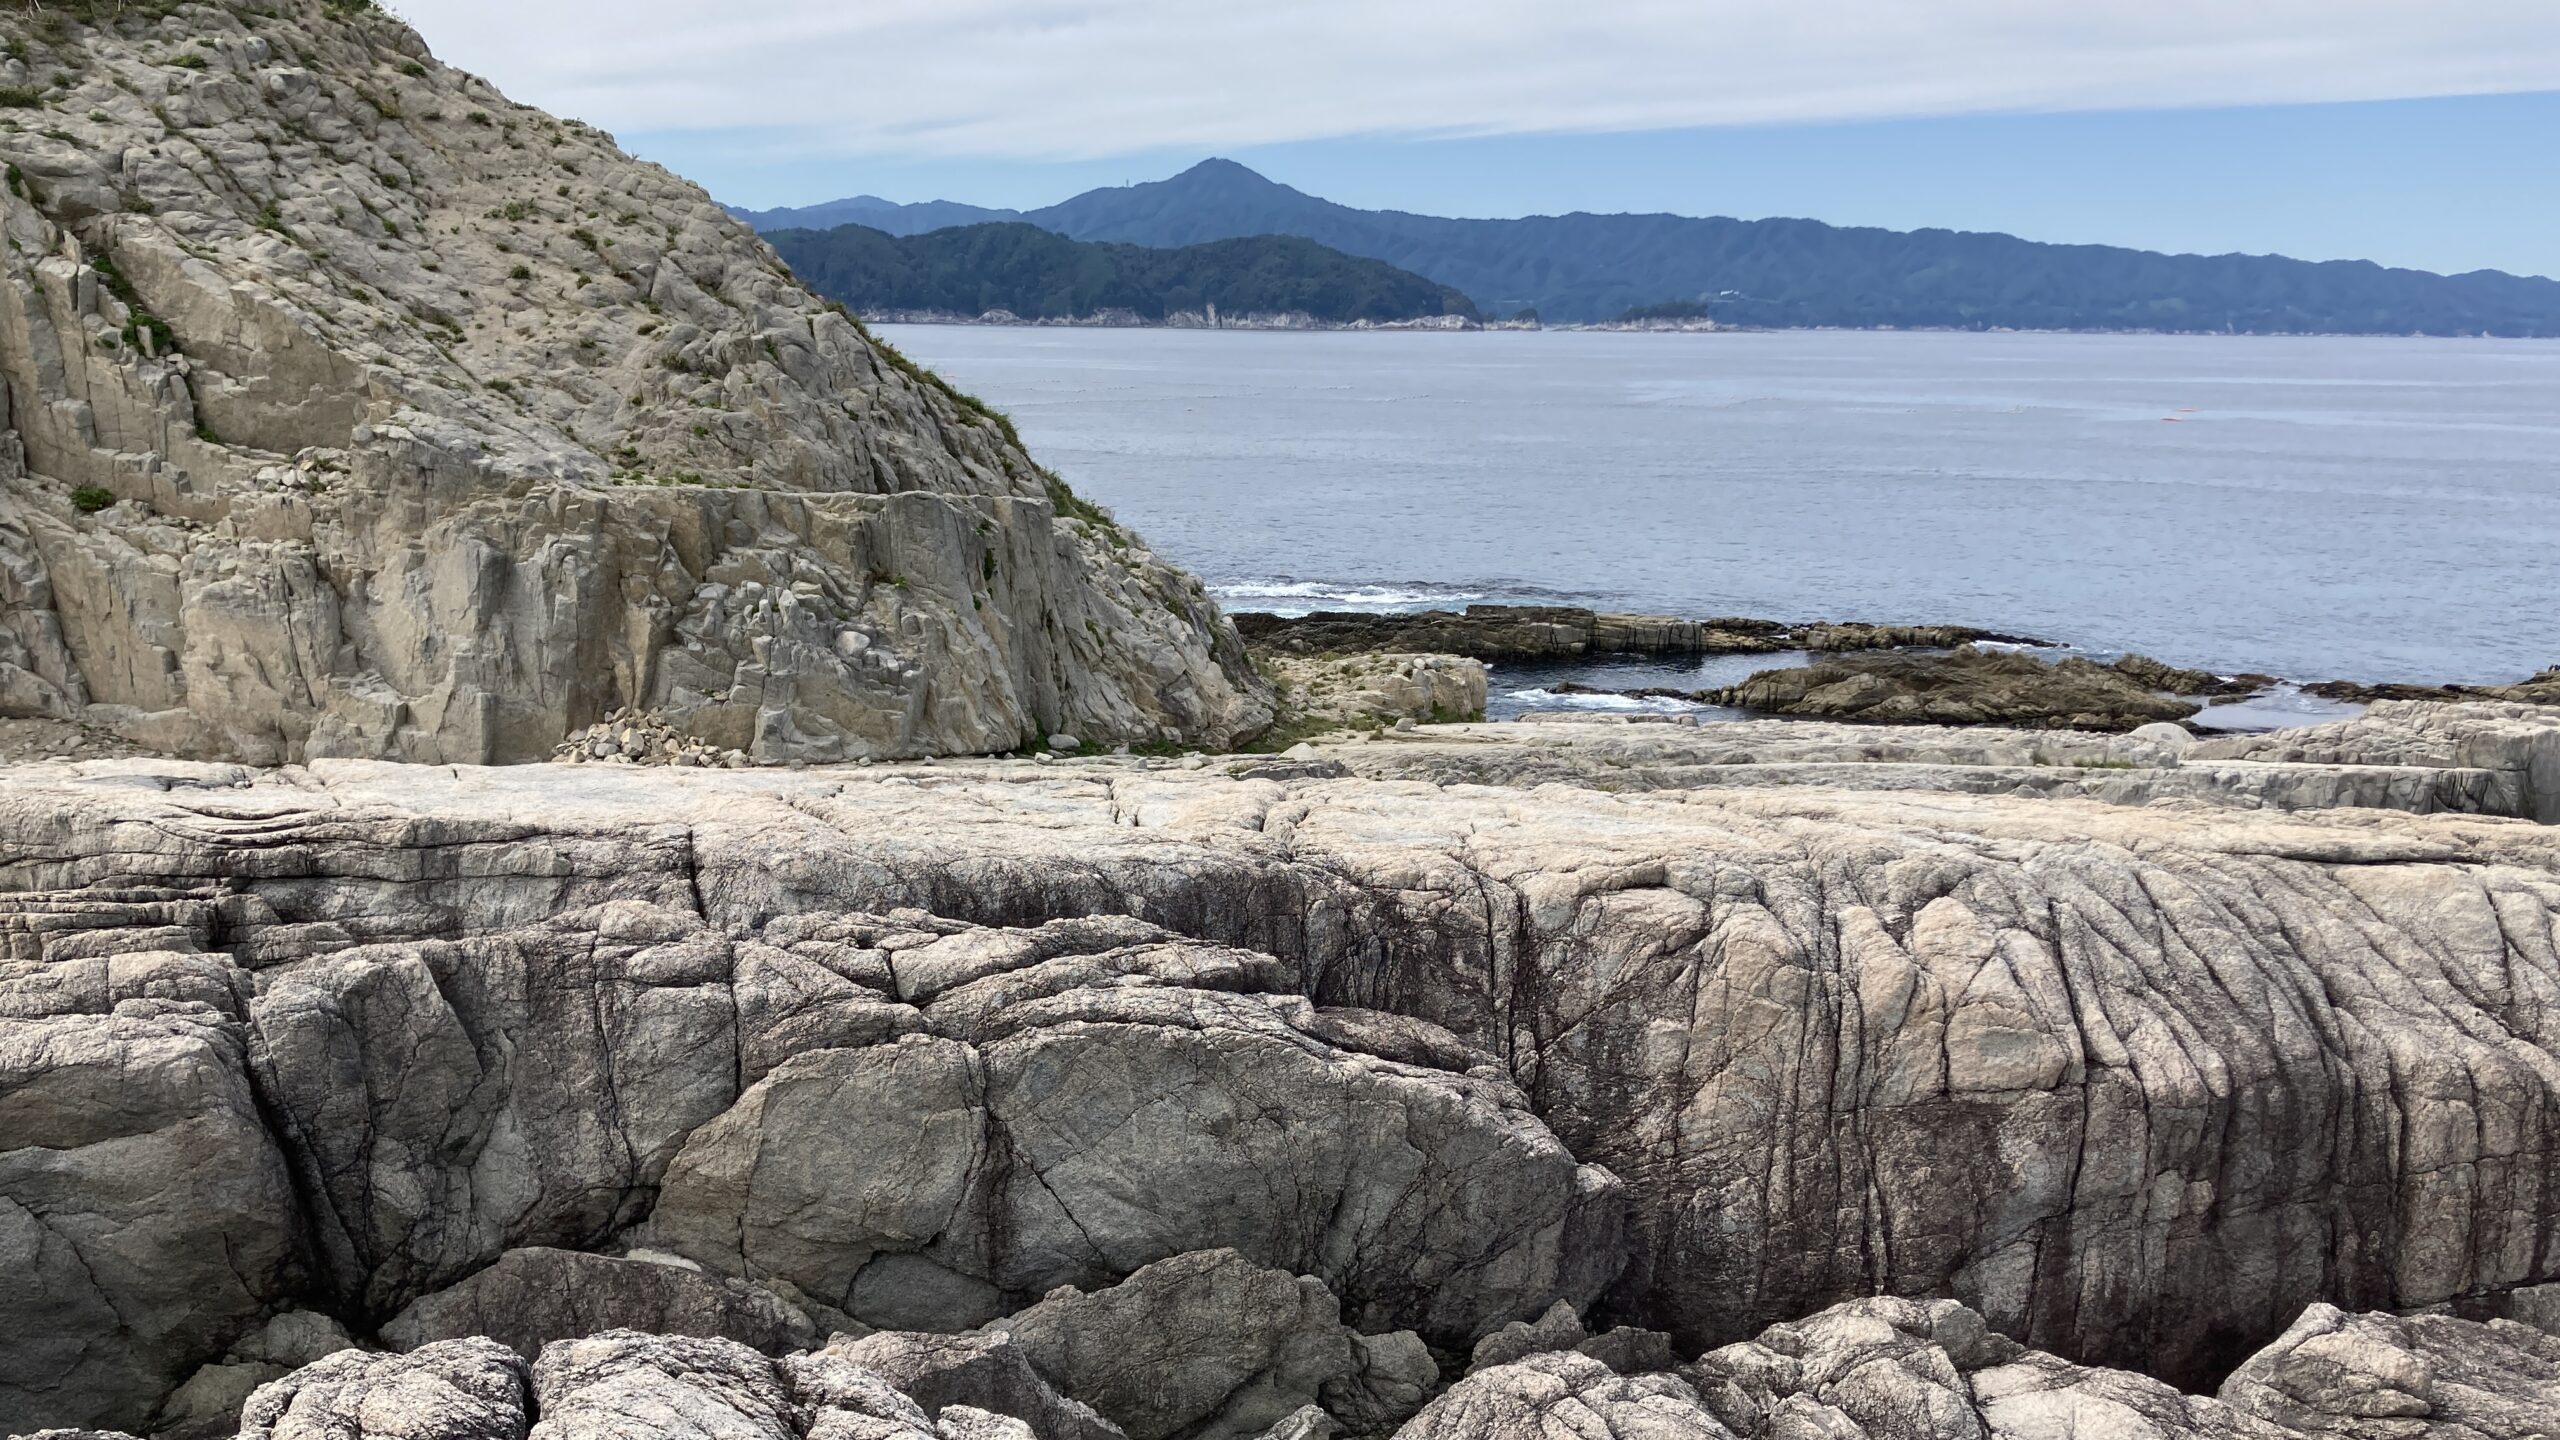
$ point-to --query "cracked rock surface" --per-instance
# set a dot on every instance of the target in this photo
(911, 1048)
(356, 410)
(1875, 1369)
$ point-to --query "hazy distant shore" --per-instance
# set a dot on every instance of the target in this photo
(1452, 324)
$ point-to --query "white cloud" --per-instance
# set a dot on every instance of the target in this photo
(1054, 79)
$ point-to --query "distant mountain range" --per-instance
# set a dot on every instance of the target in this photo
(1038, 274)
(1581, 268)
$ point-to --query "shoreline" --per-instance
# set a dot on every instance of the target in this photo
(1837, 670)
(1441, 324)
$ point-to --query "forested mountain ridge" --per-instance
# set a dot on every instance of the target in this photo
(1037, 274)
(1789, 272)
(879, 214)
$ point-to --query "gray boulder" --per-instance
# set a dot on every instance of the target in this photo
(439, 1098)
(1210, 1346)
(1560, 1395)
(2384, 1377)
(986, 1372)
(622, 1385)
(1308, 1422)
(1894, 1369)
(455, 1390)
(967, 1422)
(1393, 1376)
(146, 1218)
(2176, 739)
(1632, 1350)
(209, 1403)
(843, 1401)
(1096, 1130)
(534, 1296)
(1558, 1329)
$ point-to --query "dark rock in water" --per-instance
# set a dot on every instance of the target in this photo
(2360, 693)
(1829, 638)
(2542, 689)
(1515, 634)
(1966, 687)
(2173, 680)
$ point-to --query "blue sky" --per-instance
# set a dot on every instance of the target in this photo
(2459, 183)
(2415, 132)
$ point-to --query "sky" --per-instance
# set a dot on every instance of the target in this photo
(2414, 132)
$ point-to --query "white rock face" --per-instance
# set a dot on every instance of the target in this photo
(439, 428)
(910, 1047)
(2520, 742)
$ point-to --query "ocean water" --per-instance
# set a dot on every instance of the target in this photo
(2375, 509)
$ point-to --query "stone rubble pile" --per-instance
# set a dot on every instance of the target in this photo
(626, 737)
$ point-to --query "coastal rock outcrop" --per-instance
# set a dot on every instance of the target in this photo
(1967, 686)
(2518, 742)
(355, 410)
(1514, 634)
(1370, 690)
(912, 1046)
(2318, 769)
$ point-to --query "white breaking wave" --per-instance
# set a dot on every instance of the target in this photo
(1656, 704)
(1297, 597)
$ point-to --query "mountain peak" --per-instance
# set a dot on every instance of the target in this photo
(1223, 176)
(1220, 166)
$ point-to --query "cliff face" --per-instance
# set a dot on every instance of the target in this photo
(440, 427)
(909, 1047)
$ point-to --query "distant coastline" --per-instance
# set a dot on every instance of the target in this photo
(1180, 320)
(1451, 324)
(1585, 269)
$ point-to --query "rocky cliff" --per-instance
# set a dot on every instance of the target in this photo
(354, 410)
(375, 1051)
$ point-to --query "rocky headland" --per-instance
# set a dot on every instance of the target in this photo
(761, 1071)
(358, 411)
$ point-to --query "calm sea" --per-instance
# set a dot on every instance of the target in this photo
(2369, 508)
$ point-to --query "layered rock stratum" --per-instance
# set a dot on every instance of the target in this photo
(1220, 1097)
(354, 410)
